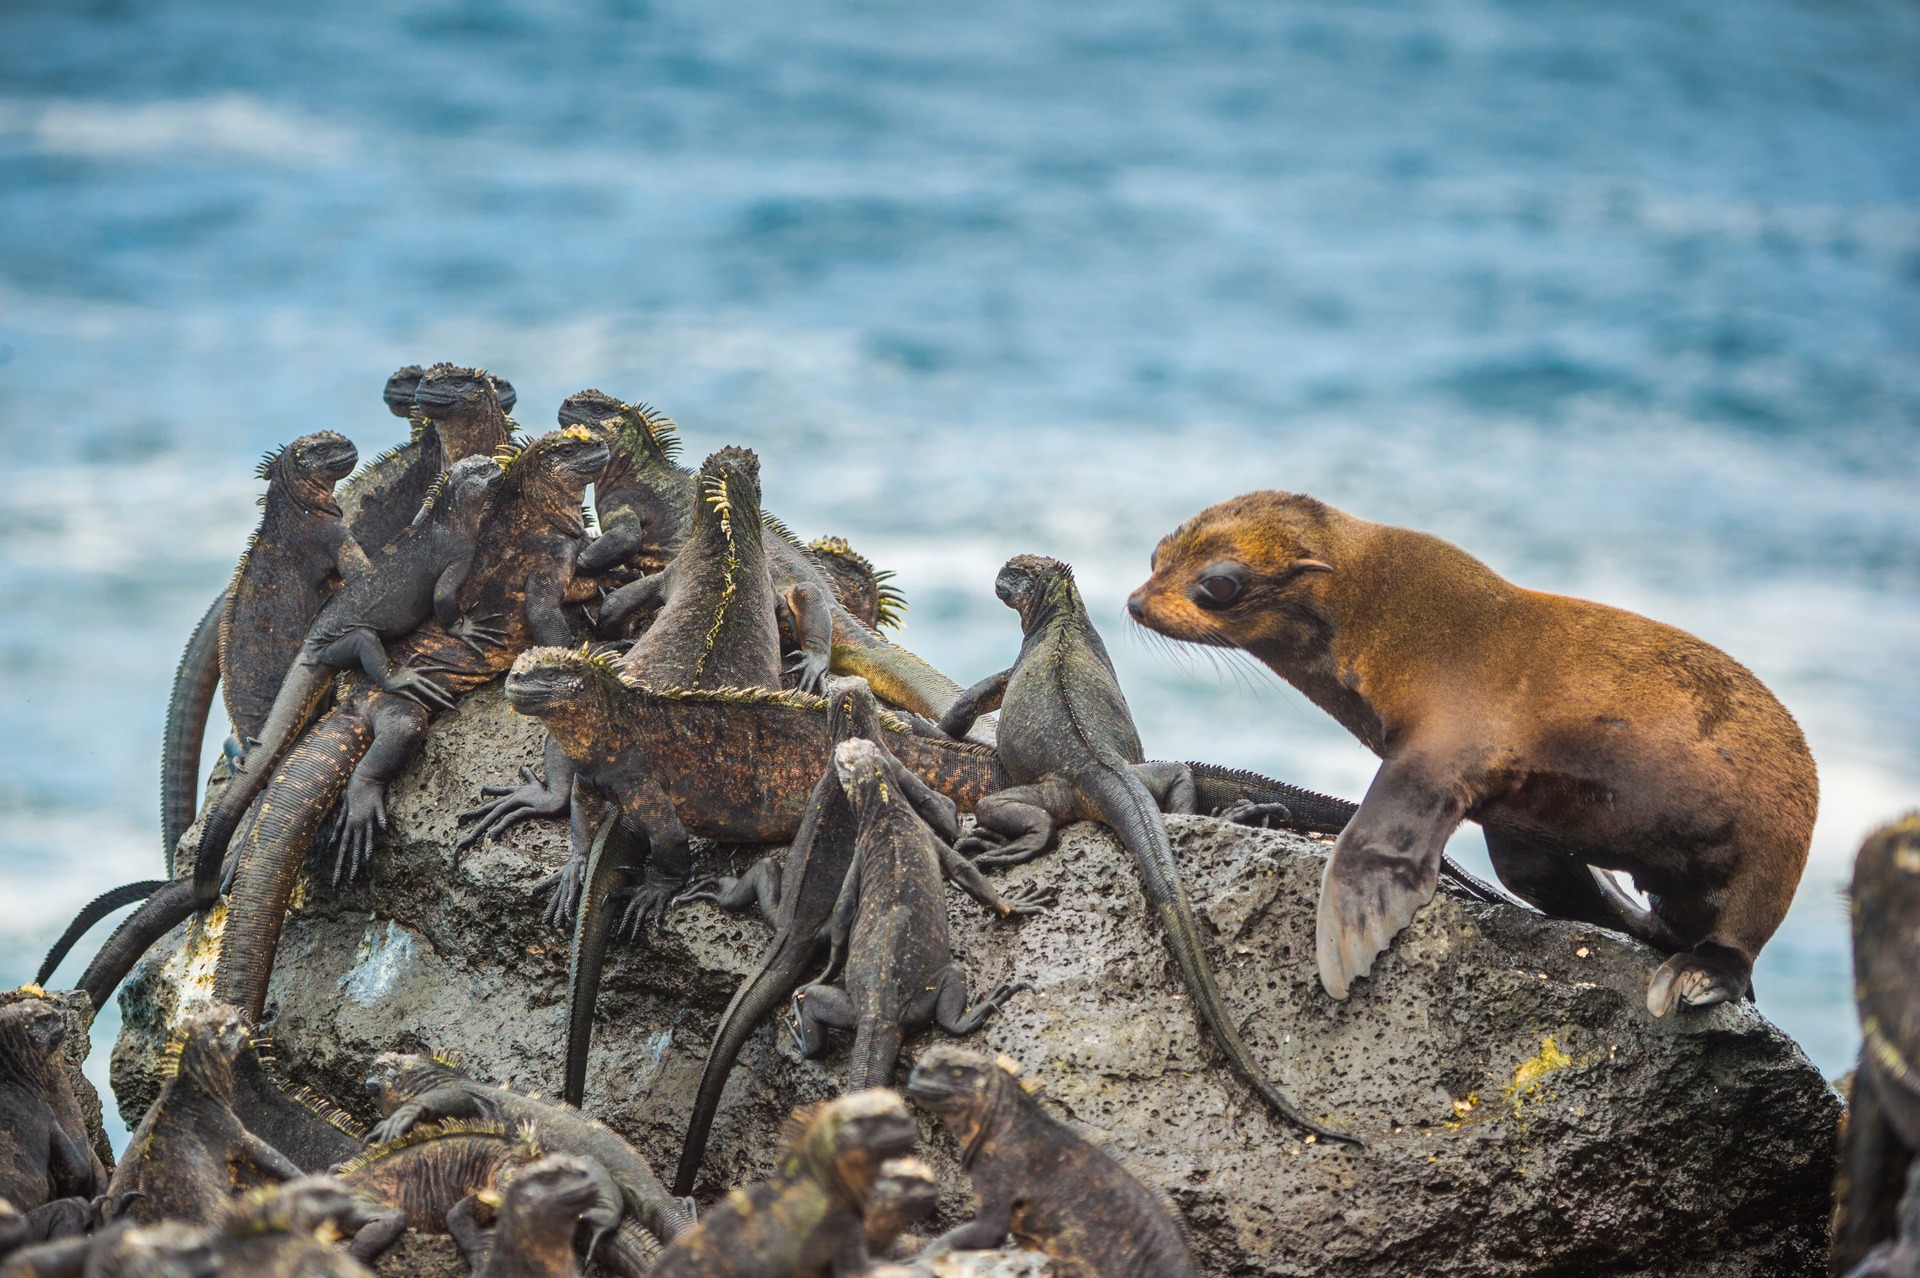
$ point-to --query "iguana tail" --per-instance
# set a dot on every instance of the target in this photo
(1216, 787)
(187, 710)
(1124, 804)
(294, 706)
(619, 851)
(304, 790)
(170, 905)
(90, 913)
(876, 1050)
(759, 996)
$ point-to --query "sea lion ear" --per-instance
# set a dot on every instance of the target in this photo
(1308, 565)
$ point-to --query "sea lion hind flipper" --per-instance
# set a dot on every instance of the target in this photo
(1709, 974)
(1385, 866)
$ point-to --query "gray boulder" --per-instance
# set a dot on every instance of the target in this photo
(1522, 1112)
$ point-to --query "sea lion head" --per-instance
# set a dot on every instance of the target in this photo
(1246, 573)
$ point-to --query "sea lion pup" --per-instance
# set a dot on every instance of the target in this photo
(1576, 734)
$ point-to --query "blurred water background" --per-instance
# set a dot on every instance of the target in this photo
(1620, 297)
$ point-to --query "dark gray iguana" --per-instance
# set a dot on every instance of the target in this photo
(411, 1090)
(1071, 750)
(1035, 1179)
(889, 927)
(45, 1153)
(313, 1132)
(288, 1231)
(387, 595)
(534, 1226)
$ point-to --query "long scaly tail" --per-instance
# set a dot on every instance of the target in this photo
(188, 708)
(90, 913)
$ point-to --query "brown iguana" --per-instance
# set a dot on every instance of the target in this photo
(412, 1089)
(1035, 1179)
(1881, 1139)
(191, 1155)
(538, 1213)
(45, 1154)
(807, 1220)
(1072, 752)
(469, 409)
(889, 928)
(288, 1231)
(905, 1193)
(169, 1249)
(386, 596)
(523, 564)
(313, 1132)
(863, 590)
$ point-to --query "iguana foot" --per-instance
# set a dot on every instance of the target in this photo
(509, 805)
(419, 688)
(565, 886)
(362, 819)
(988, 855)
(1264, 816)
(479, 633)
(1028, 898)
(811, 669)
(1696, 980)
(648, 904)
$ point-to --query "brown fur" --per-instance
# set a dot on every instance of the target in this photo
(1572, 731)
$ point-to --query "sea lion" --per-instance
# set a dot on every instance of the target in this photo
(1581, 737)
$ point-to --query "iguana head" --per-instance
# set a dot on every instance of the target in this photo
(31, 1031)
(459, 497)
(559, 1187)
(549, 683)
(964, 1088)
(304, 472)
(397, 1077)
(468, 406)
(400, 388)
(1037, 588)
(589, 408)
(862, 770)
(209, 1041)
(851, 709)
(843, 1143)
(865, 591)
(906, 1190)
(550, 475)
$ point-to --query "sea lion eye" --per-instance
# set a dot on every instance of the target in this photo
(1219, 586)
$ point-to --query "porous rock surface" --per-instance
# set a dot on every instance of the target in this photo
(1523, 1114)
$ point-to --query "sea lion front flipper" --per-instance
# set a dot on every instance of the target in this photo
(1385, 866)
(1707, 976)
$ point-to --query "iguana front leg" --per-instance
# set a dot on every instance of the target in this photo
(567, 883)
(991, 1223)
(361, 648)
(641, 593)
(399, 726)
(267, 1162)
(434, 1106)
(982, 698)
(646, 804)
(1017, 824)
(758, 888)
(804, 607)
(1027, 898)
(508, 805)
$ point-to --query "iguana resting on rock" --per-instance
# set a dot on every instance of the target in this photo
(807, 1220)
(469, 410)
(386, 595)
(523, 564)
(313, 1132)
(1072, 752)
(797, 897)
(191, 1155)
(288, 1231)
(539, 1211)
(1881, 1138)
(639, 531)
(824, 631)
(1035, 1179)
(413, 1089)
(905, 1193)
(889, 928)
(45, 1154)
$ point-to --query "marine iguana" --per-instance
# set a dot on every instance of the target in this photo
(387, 595)
(539, 1210)
(889, 928)
(191, 1154)
(811, 607)
(1035, 1179)
(169, 1249)
(796, 897)
(1899, 1256)
(1880, 1143)
(905, 1193)
(469, 410)
(807, 1220)
(863, 590)
(413, 1182)
(287, 1231)
(411, 1089)
(1072, 752)
(523, 562)
(639, 529)
(313, 1132)
(45, 1153)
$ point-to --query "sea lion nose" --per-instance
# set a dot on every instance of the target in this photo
(1137, 606)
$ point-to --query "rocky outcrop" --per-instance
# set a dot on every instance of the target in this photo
(1522, 1112)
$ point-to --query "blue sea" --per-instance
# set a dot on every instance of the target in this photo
(1624, 298)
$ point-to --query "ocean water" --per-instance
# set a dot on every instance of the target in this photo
(1625, 299)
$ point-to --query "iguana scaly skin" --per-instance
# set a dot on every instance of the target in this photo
(412, 1089)
(1072, 753)
(313, 1132)
(45, 1154)
(905, 1193)
(890, 928)
(523, 563)
(386, 595)
(639, 529)
(191, 1155)
(539, 1210)
(169, 1249)
(413, 1182)
(807, 1220)
(826, 634)
(1880, 1143)
(288, 1231)
(469, 409)
(863, 590)
(797, 897)
(1035, 1179)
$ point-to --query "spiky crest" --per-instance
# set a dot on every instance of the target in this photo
(527, 1138)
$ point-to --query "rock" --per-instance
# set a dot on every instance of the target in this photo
(1523, 1113)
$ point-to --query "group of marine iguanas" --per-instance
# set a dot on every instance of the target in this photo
(701, 674)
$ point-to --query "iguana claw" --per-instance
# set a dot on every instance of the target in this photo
(509, 805)
(1029, 898)
(811, 667)
(648, 903)
(420, 688)
(565, 884)
(1266, 816)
